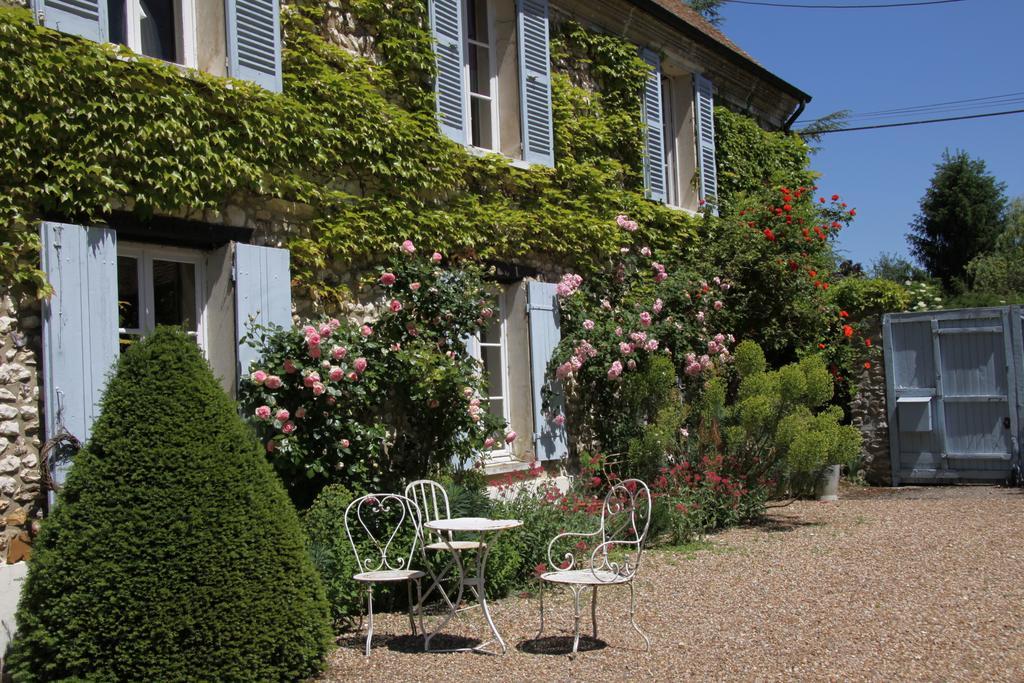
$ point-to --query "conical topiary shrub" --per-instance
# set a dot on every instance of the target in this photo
(173, 553)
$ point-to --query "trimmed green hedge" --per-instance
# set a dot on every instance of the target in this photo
(173, 553)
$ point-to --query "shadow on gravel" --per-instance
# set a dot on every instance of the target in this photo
(410, 644)
(559, 645)
(777, 525)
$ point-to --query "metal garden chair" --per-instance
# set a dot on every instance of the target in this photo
(614, 560)
(381, 524)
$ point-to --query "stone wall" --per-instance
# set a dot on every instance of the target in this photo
(869, 413)
(21, 492)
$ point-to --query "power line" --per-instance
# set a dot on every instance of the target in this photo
(940, 104)
(947, 107)
(885, 5)
(917, 123)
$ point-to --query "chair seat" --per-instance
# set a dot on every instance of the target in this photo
(455, 545)
(386, 575)
(585, 577)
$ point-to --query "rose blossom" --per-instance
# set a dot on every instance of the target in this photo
(387, 279)
(273, 382)
(414, 286)
(258, 377)
(631, 364)
(658, 305)
(300, 413)
(408, 247)
(618, 331)
(564, 370)
(488, 442)
(345, 443)
(366, 330)
(436, 257)
(360, 365)
(288, 427)
(615, 370)
(395, 305)
(693, 369)
(308, 330)
(645, 319)
(289, 366)
(651, 345)
(319, 388)
(645, 251)
(282, 415)
(700, 316)
(338, 352)
(311, 379)
(353, 376)
(263, 412)
(718, 305)
(336, 374)
(510, 437)
(325, 330)
(625, 348)
(559, 420)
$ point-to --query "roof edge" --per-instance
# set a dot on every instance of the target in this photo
(695, 33)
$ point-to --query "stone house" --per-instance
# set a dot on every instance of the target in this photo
(211, 270)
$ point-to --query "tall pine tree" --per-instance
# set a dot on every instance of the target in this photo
(962, 214)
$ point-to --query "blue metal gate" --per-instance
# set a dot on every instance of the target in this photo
(953, 381)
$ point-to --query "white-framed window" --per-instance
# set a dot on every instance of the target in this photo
(492, 352)
(679, 135)
(163, 29)
(481, 75)
(159, 285)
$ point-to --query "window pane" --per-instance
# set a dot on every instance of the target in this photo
(157, 29)
(497, 408)
(128, 292)
(174, 294)
(480, 118)
(492, 370)
(492, 333)
(476, 21)
(116, 28)
(479, 70)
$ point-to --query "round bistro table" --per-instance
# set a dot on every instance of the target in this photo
(483, 528)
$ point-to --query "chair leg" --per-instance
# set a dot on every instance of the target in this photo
(369, 617)
(419, 608)
(576, 614)
(593, 611)
(632, 620)
(541, 611)
(412, 621)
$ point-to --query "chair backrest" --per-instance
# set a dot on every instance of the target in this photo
(432, 500)
(625, 520)
(379, 526)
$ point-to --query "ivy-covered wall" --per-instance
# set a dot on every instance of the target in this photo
(87, 128)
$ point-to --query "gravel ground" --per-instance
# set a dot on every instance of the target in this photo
(913, 583)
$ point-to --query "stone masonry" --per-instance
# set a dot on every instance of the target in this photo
(869, 413)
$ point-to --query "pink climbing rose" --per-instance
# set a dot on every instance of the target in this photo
(258, 377)
(387, 279)
(273, 382)
(338, 352)
(263, 412)
(395, 305)
(282, 415)
(408, 247)
(288, 427)
(510, 437)
(588, 324)
(366, 330)
(360, 365)
(436, 257)
(615, 370)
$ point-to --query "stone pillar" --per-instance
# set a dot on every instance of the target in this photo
(869, 413)
(21, 494)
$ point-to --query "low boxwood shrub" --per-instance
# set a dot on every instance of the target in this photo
(173, 552)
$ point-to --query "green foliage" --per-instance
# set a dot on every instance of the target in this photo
(865, 297)
(778, 424)
(751, 160)
(173, 553)
(999, 272)
(896, 268)
(709, 9)
(375, 406)
(962, 214)
(331, 552)
(87, 127)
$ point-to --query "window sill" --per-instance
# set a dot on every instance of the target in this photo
(514, 163)
(505, 467)
(689, 212)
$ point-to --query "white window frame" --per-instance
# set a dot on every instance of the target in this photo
(185, 17)
(144, 255)
(503, 453)
(491, 47)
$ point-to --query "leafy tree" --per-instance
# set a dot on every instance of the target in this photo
(962, 214)
(896, 268)
(173, 553)
(1001, 271)
(710, 10)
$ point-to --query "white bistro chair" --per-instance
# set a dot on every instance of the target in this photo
(432, 500)
(381, 524)
(617, 546)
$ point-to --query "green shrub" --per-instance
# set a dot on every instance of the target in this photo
(864, 297)
(173, 552)
(331, 552)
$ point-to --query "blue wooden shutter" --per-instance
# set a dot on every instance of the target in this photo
(86, 18)
(535, 82)
(549, 440)
(446, 24)
(654, 143)
(704, 104)
(254, 42)
(80, 324)
(263, 294)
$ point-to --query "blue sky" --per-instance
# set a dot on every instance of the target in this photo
(877, 59)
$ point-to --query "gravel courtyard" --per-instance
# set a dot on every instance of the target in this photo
(887, 584)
